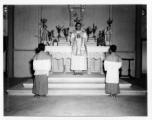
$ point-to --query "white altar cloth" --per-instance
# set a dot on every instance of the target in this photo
(64, 52)
(67, 49)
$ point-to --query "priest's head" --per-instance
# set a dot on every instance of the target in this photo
(78, 26)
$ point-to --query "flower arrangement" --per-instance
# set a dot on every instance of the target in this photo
(43, 22)
(109, 21)
(94, 28)
(49, 35)
(88, 31)
(52, 33)
(59, 28)
(65, 31)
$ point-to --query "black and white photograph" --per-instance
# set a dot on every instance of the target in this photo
(76, 60)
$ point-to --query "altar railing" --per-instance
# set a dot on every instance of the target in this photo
(64, 53)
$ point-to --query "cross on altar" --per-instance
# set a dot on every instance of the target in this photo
(77, 21)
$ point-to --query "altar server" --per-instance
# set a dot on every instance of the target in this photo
(41, 66)
(112, 64)
(79, 50)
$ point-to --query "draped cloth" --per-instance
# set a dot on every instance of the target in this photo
(79, 50)
(42, 66)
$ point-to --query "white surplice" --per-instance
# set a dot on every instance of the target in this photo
(42, 63)
(42, 67)
(112, 69)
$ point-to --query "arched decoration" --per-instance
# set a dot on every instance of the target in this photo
(76, 14)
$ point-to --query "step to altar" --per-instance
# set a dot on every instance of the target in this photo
(69, 77)
(60, 80)
(28, 92)
(69, 84)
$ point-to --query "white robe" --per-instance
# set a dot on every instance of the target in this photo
(112, 69)
(78, 60)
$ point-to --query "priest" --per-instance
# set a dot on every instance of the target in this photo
(79, 50)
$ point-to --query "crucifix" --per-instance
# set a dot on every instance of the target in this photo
(77, 21)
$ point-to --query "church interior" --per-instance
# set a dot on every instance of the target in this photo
(80, 95)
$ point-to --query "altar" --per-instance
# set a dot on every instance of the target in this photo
(64, 53)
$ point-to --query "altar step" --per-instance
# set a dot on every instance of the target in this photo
(71, 85)
(68, 84)
(75, 91)
(28, 92)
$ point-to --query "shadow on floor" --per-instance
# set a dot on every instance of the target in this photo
(142, 82)
(10, 82)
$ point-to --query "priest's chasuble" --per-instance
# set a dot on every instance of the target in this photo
(79, 50)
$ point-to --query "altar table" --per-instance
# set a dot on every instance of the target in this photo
(64, 52)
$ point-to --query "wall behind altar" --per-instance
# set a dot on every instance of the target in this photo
(123, 29)
(26, 19)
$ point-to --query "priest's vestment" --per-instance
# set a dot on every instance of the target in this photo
(79, 50)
